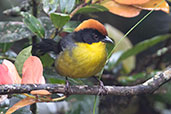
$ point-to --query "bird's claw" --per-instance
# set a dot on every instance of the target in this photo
(102, 89)
(67, 87)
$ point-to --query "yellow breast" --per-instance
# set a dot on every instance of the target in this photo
(83, 60)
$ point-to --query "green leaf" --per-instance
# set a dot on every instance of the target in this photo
(92, 8)
(47, 60)
(48, 25)
(52, 77)
(33, 24)
(50, 6)
(142, 46)
(13, 31)
(59, 19)
(21, 58)
(70, 26)
(56, 81)
(66, 6)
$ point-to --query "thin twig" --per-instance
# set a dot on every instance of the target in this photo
(76, 9)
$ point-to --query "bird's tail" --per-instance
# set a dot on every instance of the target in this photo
(45, 46)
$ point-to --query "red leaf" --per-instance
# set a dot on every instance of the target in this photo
(5, 77)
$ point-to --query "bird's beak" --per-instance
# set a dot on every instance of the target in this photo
(107, 40)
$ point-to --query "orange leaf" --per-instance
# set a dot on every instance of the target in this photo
(40, 92)
(32, 71)
(13, 72)
(153, 3)
(24, 102)
(131, 2)
(122, 10)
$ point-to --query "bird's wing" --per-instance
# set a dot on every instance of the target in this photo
(48, 45)
(45, 46)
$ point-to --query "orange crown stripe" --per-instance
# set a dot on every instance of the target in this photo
(94, 24)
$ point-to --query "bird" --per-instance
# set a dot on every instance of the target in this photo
(80, 54)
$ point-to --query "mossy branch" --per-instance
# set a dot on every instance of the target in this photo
(145, 88)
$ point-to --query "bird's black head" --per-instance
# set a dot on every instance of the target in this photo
(91, 36)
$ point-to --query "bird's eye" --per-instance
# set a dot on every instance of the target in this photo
(95, 36)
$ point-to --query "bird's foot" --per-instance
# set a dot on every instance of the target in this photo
(102, 89)
(67, 87)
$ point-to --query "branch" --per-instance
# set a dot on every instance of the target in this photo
(34, 7)
(76, 9)
(147, 87)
